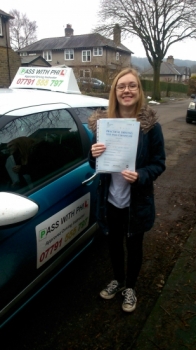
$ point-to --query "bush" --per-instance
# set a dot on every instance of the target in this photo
(165, 86)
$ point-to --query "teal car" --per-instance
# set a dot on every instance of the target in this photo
(47, 188)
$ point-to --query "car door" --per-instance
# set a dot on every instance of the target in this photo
(44, 157)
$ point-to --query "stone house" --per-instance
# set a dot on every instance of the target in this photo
(170, 72)
(90, 55)
(9, 59)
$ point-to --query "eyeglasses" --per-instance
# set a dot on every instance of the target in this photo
(131, 87)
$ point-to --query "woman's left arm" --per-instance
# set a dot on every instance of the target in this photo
(154, 166)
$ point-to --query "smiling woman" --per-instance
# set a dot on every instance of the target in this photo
(127, 93)
(127, 197)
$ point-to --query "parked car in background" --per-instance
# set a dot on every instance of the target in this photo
(92, 83)
(47, 188)
(193, 95)
(191, 112)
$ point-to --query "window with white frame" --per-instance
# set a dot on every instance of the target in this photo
(85, 73)
(47, 55)
(117, 56)
(23, 54)
(69, 54)
(98, 51)
(86, 55)
(1, 28)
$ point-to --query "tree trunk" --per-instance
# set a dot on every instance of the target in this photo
(156, 92)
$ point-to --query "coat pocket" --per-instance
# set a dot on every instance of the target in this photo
(145, 212)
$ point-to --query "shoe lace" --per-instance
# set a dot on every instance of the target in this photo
(111, 286)
(129, 296)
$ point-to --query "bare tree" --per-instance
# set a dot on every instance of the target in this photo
(157, 23)
(22, 30)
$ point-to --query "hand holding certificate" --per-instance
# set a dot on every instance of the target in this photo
(120, 136)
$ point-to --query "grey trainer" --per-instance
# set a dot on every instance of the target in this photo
(112, 288)
(130, 300)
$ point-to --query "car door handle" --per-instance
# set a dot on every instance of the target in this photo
(89, 179)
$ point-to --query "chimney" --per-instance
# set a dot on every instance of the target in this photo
(68, 30)
(117, 34)
(170, 59)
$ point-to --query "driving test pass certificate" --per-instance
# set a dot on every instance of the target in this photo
(120, 136)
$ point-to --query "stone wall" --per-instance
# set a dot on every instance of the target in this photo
(10, 61)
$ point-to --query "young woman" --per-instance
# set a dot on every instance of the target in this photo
(128, 196)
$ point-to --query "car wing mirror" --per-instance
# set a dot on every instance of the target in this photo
(15, 208)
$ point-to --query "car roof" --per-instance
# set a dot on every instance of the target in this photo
(19, 99)
(37, 88)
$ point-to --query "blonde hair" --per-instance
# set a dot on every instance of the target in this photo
(113, 103)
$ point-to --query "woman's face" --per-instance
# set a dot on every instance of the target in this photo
(127, 90)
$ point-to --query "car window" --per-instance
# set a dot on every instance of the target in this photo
(85, 112)
(37, 147)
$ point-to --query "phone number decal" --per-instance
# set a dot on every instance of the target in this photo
(50, 250)
(72, 233)
(55, 247)
(39, 82)
(57, 231)
(25, 81)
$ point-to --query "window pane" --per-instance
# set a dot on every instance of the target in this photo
(85, 112)
(71, 54)
(37, 147)
(84, 56)
(1, 31)
(87, 73)
(98, 51)
(66, 54)
(49, 55)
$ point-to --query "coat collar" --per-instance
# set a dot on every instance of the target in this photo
(147, 118)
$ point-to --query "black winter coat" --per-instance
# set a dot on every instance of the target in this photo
(150, 163)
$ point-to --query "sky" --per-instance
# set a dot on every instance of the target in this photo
(83, 16)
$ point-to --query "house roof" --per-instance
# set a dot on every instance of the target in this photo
(183, 70)
(75, 41)
(33, 59)
(4, 14)
(166, 69)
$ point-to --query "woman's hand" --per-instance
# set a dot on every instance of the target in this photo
(130, 176)
(16, 169)
(97, 149)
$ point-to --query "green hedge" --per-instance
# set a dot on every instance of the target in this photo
(165, 86)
